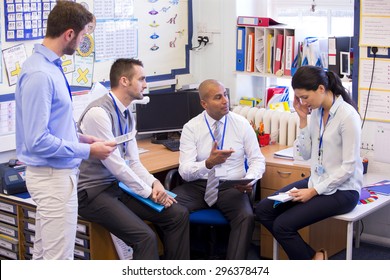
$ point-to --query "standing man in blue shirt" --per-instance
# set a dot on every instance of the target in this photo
(46, 137)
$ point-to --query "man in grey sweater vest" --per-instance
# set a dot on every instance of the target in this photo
(100, 198)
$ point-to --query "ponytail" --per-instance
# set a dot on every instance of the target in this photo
(336, 86)
(311, 77)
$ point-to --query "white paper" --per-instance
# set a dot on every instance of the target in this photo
(282, 197)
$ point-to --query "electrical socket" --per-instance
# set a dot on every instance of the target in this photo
(382, 52)
(367, 146)
(207, 34)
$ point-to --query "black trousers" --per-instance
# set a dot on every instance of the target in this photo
(285, 219)
(124, 216)
(233, 204)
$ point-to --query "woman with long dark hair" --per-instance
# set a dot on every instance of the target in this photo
(331, 140)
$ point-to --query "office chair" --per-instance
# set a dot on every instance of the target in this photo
(209, 217)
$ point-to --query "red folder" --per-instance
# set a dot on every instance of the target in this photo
(250, 54)
(278, 53)
(255, 21)
(289, 55)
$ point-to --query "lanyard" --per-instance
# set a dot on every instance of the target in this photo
(119, 120)
(212, 134)
(58, 62)
(322, 134)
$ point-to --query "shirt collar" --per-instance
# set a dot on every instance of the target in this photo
(336, 105)
(211, 121)
(122, 108)
(338, 100)
(47, 53)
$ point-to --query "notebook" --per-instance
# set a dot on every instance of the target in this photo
(282, 197)
(381, 187)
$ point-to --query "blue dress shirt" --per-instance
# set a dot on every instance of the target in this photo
(45, 130)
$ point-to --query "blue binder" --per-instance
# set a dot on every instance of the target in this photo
(147, 201)
(240, 49)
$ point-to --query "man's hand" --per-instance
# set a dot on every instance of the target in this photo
(159, 195)
(217, 156)
(89, 139)
(244, 188)
(102, 150)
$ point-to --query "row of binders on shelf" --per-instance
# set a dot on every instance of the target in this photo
(264, 46)
(267, 47)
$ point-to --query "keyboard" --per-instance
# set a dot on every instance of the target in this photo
(172, 145)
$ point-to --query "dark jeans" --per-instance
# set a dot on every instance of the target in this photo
(285, 219)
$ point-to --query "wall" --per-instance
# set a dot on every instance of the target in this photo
(171, 54)
(217, 61)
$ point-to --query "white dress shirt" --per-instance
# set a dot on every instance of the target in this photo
(133, 174)
(196, 143)
(343, 169)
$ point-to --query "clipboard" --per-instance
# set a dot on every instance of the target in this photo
(232, 183)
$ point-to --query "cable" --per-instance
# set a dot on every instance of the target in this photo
(205, 40)
(374, 51)
(200, 41)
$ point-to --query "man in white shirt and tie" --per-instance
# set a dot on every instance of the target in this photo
(206, 160)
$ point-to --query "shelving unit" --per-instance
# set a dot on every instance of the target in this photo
(265, 51)
(256, 50)
(17, 233)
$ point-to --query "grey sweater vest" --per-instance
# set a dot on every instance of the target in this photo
(93, 174)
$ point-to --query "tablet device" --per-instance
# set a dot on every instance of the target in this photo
(232, 183)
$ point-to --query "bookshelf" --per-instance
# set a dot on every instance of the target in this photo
(265, 54)
(265, 51)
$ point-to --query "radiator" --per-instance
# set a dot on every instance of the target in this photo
(282, 126)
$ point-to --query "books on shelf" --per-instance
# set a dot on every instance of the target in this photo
(264, 48)
(278, 68)
(250, 54)
(240, 49)
(289, 54)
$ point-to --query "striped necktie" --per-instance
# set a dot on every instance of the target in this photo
(211, 193)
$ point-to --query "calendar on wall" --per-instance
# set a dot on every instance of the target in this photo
(26, 20)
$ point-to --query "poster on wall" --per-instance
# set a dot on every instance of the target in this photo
(25, 20)
(82, 76)
(374, 23)
(14, 58)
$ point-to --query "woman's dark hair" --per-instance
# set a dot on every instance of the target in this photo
(311, 77)
(67, 15)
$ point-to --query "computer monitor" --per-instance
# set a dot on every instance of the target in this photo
(166, 112)
(345, 64)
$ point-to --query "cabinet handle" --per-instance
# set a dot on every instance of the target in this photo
(284, 173)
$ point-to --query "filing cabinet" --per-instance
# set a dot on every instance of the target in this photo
(17, 234)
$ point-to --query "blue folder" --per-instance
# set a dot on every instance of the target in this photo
(382, 187)
(240, 49)
(147, 201)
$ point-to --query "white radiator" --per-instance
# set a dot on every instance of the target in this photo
(282, 126)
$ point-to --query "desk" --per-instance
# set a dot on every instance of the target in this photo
(157, 158)
(93, 241)
(361, 211)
